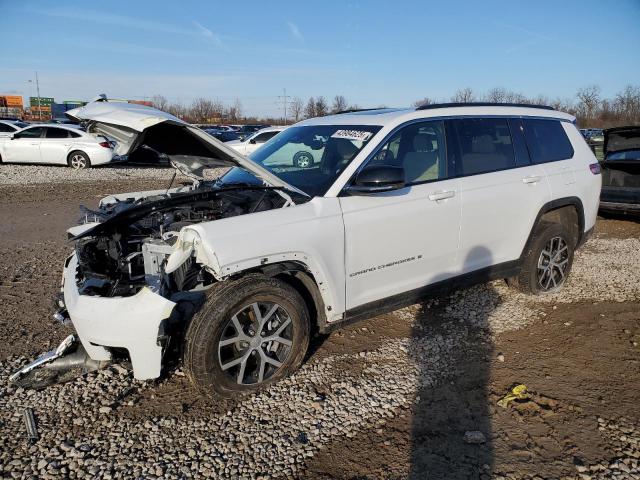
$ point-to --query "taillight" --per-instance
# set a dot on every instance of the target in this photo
(595, 168)
(105, 144)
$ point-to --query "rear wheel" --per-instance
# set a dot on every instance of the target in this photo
(78, 160)
(547, 262)
(250, 333)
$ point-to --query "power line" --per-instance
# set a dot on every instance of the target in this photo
(284, 98)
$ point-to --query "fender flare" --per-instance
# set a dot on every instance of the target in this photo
(553, 205)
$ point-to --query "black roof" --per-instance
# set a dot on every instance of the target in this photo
(481, 104)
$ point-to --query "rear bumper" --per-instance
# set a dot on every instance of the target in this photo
(134, 323)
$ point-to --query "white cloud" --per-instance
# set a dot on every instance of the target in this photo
(208, 34)
(295, 31)
(105, 18)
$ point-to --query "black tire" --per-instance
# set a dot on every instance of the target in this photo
(303, 159)
(550, 278)
(78, 160)
(204, 356)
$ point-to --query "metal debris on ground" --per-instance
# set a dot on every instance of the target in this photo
(30, 424)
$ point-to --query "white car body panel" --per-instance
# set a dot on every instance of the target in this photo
(311, 234)
(399, 241)
(359, 249)
(127, 322)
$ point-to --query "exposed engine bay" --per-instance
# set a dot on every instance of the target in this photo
(128, 244)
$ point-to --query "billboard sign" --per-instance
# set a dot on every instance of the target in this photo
(33, 101)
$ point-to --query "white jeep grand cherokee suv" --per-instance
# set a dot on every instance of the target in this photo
(235, 274)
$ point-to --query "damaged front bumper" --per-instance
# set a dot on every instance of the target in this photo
(134, 323)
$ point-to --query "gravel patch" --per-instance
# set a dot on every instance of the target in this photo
(38, 174)
(84, 430)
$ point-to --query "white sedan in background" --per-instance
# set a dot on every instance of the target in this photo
(7, 127)
(57, 145)
(254, 141)
(300, 157)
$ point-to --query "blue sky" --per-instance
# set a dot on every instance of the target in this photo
(372, 52)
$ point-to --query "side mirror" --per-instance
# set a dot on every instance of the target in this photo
(253, 140)
(12, 136)
(377, 178)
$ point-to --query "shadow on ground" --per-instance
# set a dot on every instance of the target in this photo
(451, 423)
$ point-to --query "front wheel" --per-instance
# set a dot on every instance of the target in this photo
(250, 333)
(547, 261)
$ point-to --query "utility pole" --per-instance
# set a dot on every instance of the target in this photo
(284, 98)
(38, 93)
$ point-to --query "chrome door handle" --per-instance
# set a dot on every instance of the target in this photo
(532, 179)
(443, 195)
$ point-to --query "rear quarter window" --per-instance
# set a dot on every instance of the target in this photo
(547, 141)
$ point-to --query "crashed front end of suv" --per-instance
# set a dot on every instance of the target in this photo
(138, 271)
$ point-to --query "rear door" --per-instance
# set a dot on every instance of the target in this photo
(24, 147)
(55, 145)
(551, 149)
(501, 192)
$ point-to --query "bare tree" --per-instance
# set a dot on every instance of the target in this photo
(160, 102)
(322, 108)
(203, 110)
(588, 101)
(339, 104)
(234, 112)
(423, 101)
(496, 95)
(178, 110)
(310, 109)
(464, 95)
(296, 109)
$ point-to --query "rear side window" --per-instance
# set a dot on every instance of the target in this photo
(484, 145)
(73, 134)
(6, 128)
(56, 133)
(547, 140)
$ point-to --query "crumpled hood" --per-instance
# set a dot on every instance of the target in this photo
(132, 126)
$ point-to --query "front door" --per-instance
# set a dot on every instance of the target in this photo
(405, 239)
(24, 147)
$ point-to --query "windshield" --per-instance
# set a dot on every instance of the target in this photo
(310, 157)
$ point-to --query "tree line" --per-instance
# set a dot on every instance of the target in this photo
(588, 105)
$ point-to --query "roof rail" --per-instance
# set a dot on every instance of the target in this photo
(353, 110)
(482, 104)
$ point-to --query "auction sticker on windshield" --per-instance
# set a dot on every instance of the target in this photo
(359, 135)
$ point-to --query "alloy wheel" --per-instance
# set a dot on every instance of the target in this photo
(78, 162)
(304, 160)
(255, 343)
(552, 264)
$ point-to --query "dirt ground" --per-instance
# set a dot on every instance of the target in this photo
(580, 363)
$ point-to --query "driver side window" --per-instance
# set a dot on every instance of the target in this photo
(419, 149)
